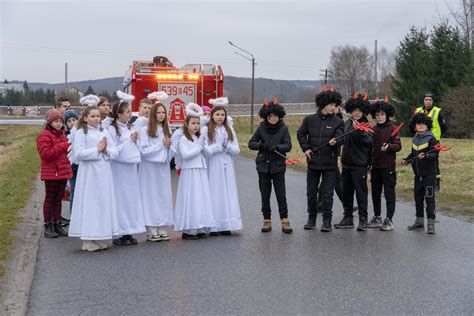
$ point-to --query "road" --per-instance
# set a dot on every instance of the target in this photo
(308, 272)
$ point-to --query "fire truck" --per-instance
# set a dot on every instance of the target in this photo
(195, 83)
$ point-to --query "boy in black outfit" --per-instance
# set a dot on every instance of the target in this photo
(424, 165)
(382, 171)
(355, 160)
(272, 140)
(316, 130)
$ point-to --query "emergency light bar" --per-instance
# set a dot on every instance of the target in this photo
(167, 76)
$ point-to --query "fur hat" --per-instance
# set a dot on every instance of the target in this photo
(383, 106)
(326, 97)
(357, 102)
(223, 101)
(53, 115)
(159, 96)
(271, 108)
(125, 97)
(420, 118)
(194, 110)
(68, 114)
(90, 100)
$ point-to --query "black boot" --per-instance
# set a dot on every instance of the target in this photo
(49, 230)
(326, 227)
(346, 222)
(58, 228)
(311, 223)
(65, 221)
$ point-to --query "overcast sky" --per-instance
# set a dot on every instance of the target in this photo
(290, 39)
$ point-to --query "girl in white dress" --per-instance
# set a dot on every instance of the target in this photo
(125, 175)
(94, 217)
(193, 212)
(221, 145)
(155, 174)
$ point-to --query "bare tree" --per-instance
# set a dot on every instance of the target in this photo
(352, 68)
(462, 15)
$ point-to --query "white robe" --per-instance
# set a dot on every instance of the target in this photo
(222, 178)
(140, 122)
(178, 133)
(155, 180)
(126, 187)
(193, 199)
(94, 214)
(70, 138)
(106, 122)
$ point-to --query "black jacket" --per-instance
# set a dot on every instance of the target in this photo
(357, 149)
(316, 130)
(428, 165)
(266, 139)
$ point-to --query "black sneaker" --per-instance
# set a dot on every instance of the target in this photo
(346, 222)
(225, 233)
(122, 241)
(326, 227)
(375, 222)
(64, 221)
(131, 239)
(362, 224)
(189, 236)
(58, 229)
(387, 225)
(214, 234)
(201, 235)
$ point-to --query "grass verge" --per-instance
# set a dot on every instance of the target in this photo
(19, 165)
(457, 168)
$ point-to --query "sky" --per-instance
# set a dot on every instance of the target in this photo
(290, 39)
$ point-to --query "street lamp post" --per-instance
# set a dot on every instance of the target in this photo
(252, 59)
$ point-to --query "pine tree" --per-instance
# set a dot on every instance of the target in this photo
(89, 91)
(25, 86)
(414, 68)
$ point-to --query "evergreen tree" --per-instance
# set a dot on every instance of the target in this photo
(25, 86)
(5, 81)
(89, 91)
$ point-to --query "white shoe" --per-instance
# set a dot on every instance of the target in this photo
(89, 245)
(153, 238)
(164, 237)
(102, 245)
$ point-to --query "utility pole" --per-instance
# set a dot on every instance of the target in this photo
(65, 74)
(252, 59)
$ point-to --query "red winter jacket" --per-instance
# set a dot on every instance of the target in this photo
(52, 148)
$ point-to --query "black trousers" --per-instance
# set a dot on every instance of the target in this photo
(425, 191)
(386, 179)
(320, 191)
(354, 180)
(265, 184)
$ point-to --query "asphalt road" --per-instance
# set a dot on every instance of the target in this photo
(308, 272)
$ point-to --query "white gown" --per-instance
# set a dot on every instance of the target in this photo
(193, 209)
(140, 122)
(106, 122)
(155, 180)
(125, 175)
(178, 133)
(221, 171)
(94, 214)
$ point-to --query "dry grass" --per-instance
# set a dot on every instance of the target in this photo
(457, 168)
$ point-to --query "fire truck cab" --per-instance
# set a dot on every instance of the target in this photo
(195, 83)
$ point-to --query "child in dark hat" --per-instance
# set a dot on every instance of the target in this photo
(355, 161)
(272, 140)
(382, 171)
(316, 130)
(424, 156)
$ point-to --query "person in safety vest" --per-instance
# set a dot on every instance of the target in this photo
(439, 124)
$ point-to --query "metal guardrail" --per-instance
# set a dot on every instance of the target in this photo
(232, 109)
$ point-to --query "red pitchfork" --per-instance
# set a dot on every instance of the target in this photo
(365, 127)
(289, 161)
(437, 147)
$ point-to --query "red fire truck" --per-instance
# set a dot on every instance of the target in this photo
(190, 83)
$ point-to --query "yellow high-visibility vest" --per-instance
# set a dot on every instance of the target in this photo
(434, 113)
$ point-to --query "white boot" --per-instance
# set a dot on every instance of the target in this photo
(89, 245)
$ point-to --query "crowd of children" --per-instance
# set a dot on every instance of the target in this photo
(119, 172)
